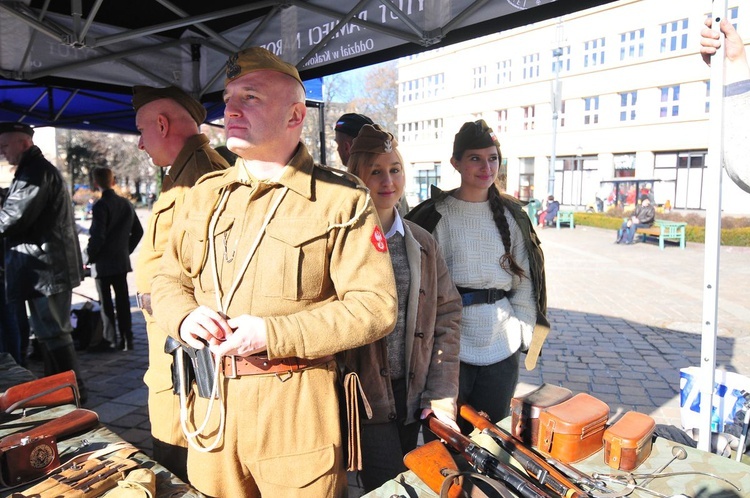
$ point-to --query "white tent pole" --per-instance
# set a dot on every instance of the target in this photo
(713, 234)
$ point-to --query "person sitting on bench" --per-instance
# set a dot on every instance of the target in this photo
(643, 217)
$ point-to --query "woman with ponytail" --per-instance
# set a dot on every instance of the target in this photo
(495, 261)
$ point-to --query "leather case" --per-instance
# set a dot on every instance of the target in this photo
(627, 443)
(573, 429)
(525, 410)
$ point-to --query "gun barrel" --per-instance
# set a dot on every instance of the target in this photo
(484, 461)
(534, 464)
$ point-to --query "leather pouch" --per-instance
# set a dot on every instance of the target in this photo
(573, 429)
(198, 365)
(525, 410)
(627, 443)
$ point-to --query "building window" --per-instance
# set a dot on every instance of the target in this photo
(670, 101)
(593, 52)
(681, 175)
(502, 121)
(627, 106)
(563, 64)
(631, 44)
(423, 88)
(526, 179)
(531, 66)
(480, 77)
(561, 115)
(708, 96)
(528, 117)
(427, 130)
(674, 36)
(591, 110)
(425, 177)
(732, 16)
(503, 72)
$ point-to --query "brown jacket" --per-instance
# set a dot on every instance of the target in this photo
(317, 276)
(433, 316)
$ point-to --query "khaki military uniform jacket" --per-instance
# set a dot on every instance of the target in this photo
(321, 276)
(433, 322)
(196, 159)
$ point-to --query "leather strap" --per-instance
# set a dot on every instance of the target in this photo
(238, 366)
(352, 392)
(480, 296)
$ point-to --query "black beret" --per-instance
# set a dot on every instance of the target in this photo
(143, 95)
(351, 123)
(16, 127)
(474, 135)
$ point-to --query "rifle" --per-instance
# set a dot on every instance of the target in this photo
(78, 420)
(432, 463)
(54, 390)
(484, 461)
(534, 464)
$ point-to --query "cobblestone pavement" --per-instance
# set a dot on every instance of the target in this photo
(625, 319)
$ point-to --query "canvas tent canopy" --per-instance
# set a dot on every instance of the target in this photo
(72, 63)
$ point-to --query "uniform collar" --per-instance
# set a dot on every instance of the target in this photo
(397, 227)
(297, 175)
(191, 145)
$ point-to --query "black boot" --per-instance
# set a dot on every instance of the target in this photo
(64, 359)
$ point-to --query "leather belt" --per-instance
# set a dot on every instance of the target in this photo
(237, 366)
(144, 301)
(480, 296)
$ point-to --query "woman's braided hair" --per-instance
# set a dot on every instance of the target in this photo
(477, 135)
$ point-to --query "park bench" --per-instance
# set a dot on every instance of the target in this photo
(565, 217)
(665, 230)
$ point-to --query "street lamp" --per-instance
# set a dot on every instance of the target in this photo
(555, 101)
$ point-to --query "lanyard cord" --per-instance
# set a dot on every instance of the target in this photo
(221, 307)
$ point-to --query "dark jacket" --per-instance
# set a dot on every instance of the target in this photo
(552, 208)
(645, 214)
(427, 216)
(115, 232)
(42, 254)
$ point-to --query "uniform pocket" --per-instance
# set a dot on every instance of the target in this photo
(294, 258)
(297, 470)
(195, 243)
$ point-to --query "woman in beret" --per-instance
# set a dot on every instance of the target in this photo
(413, 371)
(495, 261)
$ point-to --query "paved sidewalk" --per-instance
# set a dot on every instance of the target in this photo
(625, 320)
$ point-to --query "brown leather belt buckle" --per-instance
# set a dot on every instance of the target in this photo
(232, 364)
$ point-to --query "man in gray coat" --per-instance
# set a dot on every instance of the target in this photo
(42, 255)
(115, 232)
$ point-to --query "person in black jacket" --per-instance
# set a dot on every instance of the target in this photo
(115, 232)
(42, 255)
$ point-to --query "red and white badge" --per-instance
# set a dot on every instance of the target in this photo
(379, 240)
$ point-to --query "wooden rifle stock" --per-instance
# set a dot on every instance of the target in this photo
(54, 390)
(484, 461)
(534, 464)
(79, 420)
(429, 462)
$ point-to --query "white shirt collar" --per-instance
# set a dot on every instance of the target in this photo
(398, 226)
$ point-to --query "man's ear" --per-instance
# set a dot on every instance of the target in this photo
(299, 111)
(162, 122)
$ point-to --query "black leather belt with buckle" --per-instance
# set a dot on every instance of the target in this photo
(480, 296)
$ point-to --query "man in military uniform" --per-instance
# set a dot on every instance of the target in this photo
(279, 264)
(345, 130)
(168, 121)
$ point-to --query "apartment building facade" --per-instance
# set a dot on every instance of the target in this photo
(632, 100)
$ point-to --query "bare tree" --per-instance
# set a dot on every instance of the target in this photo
(380, 95)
